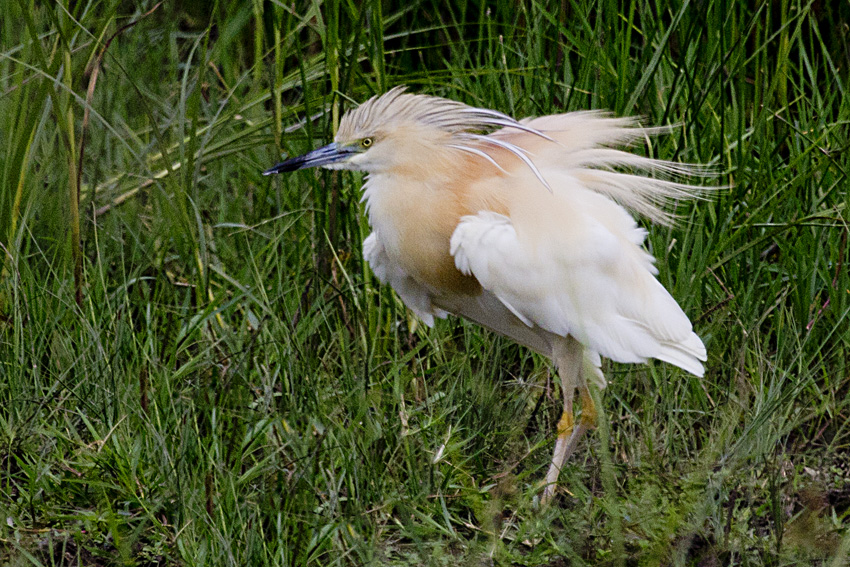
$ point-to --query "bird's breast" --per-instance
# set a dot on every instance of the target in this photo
(415, 229)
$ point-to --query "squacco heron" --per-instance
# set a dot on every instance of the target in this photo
(522, 227)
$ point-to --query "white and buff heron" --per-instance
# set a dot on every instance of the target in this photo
(522, 227)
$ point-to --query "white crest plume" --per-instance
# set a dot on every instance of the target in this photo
(581, 144)
(462, 121)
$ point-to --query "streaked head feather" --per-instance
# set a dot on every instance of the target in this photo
(447, 115)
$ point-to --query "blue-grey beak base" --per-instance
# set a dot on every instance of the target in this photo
(326, 155)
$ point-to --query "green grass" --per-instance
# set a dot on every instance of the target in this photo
(197, 368)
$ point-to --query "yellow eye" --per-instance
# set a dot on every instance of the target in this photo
(366, 142)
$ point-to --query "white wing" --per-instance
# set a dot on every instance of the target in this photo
(413, 294)
(591, 282)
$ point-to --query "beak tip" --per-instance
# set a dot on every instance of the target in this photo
(323, 156)
(288, 165)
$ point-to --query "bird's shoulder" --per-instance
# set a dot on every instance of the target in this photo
(564, 219)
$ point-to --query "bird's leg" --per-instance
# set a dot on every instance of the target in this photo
(588, 408)
(567, 353)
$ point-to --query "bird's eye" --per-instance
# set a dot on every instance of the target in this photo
(366, 142)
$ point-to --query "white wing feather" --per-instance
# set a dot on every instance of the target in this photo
(597, 288)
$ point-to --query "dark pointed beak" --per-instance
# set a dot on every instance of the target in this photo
(326, 155)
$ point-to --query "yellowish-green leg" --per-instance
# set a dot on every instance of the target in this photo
(588, 408)
(567, 354)
(563, 448)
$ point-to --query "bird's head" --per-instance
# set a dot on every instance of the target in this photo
(398, 131)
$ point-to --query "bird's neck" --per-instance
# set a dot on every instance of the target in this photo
(399, 206)
(414, 220)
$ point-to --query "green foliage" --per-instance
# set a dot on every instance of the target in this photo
(232, 387)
